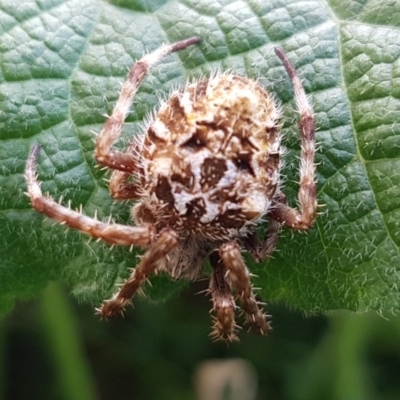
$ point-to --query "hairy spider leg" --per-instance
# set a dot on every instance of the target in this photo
(124, 185)
(121, 188)
(223, 302)
(300, 219)
(262, 249)
(109, 232)
(150, 262)
(105, 153)
(239, 277)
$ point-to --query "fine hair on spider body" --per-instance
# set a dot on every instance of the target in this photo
(203, 175)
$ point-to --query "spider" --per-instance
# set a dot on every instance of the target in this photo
(205, 174)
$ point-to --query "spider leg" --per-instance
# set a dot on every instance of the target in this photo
(110, 233)
(303, 218)
(122, 189)
(152, 259)
(240, 279)
(105, 153)
(223, 302)
(124, 185)
(261, 250)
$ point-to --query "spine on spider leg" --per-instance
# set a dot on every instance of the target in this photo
(113, 126)
(307, 192)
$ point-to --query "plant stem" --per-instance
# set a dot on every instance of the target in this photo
(72, 369)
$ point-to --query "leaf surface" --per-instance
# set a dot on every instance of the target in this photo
(62, 63)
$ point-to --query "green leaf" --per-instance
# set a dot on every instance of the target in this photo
(61, 66)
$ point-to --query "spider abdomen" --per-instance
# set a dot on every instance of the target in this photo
(210, 157)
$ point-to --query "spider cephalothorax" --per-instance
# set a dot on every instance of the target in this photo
(205, 173)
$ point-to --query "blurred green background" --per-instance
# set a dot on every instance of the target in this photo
(53, 348)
